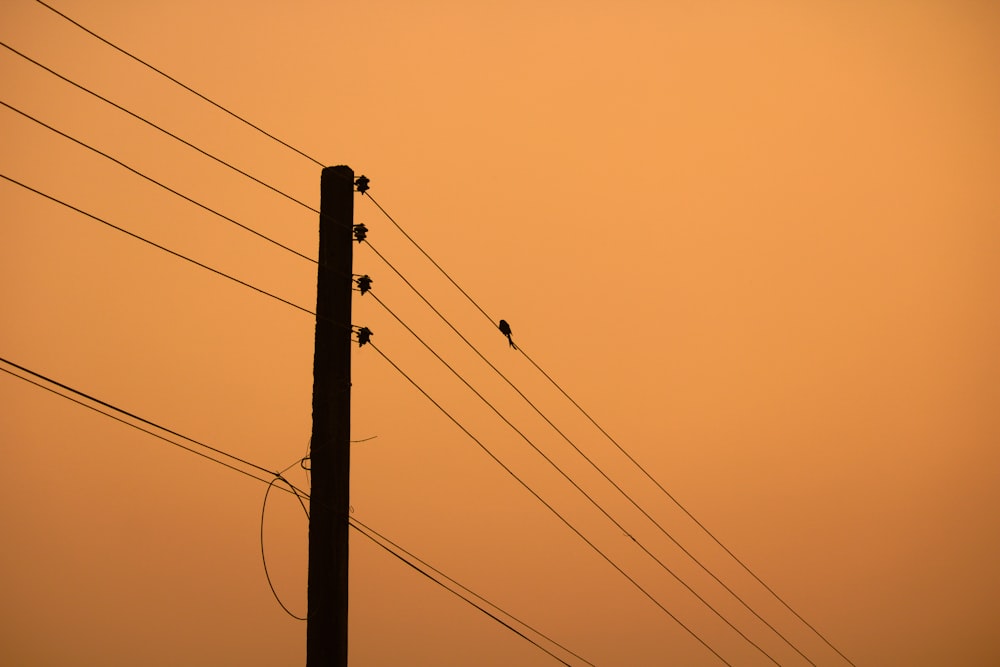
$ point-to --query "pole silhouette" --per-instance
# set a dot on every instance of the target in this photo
(326, 632)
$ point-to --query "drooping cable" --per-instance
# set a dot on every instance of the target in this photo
(279, 476)
(292, 489)
(565, 521)
(182, 85)
(276, 477)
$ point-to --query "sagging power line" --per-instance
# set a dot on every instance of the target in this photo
(472, 598)
(548, 506)
(95, 404)
(152, 180)
(559, 431)
(181, 84)
(158, 246)
(91, 402)
(614, 442)
(428, 256)
(161, 129)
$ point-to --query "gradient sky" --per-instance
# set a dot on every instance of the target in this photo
(757, 241)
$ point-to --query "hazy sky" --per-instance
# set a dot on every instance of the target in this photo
(757, 241)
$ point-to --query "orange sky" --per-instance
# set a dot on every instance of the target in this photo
(757, 241)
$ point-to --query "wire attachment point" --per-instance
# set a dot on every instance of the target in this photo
(364, 335)
(364, 283)
(360, 232)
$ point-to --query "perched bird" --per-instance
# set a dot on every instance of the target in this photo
(505, 330)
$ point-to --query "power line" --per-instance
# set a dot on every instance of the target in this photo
(276, 476)
(263, 557)
(612, 440)
(547, 505)
(576, 486)
(685, 510)
(292, 489)
(164, 131)
(585, 457)
(267, 134)
(158, 246)
(156, 182)
(431, 259)
(298, 493)
(182, 85)
(314, 210)
(148, 422)
(411, 560)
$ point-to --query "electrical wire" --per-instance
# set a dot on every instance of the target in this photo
(576, 486)
(148, 422)
(745, 567)
(412, 560)
(585, 457)
(158, 246)
(276, 477)
(292, 489)
(263, 558)
(676, 502)
(429, 258)
(182, 85)
(620, 448)
(164, 131)
(510, 472)
(156, 182)
(168, 250)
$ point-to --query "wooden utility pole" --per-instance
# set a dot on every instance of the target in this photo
(326, 632)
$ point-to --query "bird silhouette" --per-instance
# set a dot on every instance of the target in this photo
(505, 330)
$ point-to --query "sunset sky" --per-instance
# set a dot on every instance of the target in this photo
(758, 242)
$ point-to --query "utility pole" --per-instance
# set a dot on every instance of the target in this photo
(330, 450)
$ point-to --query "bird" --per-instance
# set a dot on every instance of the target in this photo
(505, 330)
